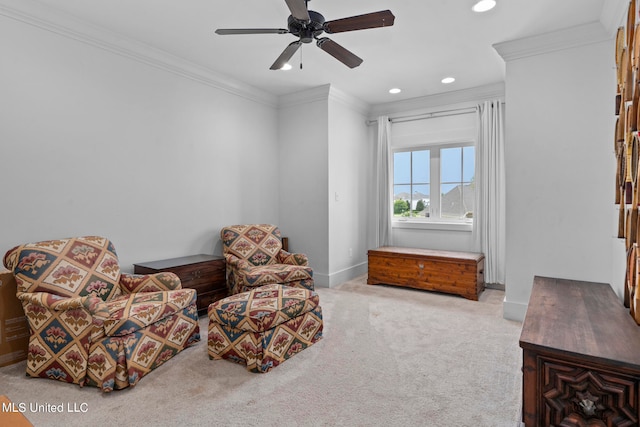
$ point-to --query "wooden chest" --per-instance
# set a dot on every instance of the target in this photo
(204, 273)
(460, 273)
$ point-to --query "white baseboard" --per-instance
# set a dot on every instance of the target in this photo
(513, 310)
(338, 277)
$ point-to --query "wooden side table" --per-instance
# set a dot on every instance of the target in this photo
(581, 356)
(204, 273)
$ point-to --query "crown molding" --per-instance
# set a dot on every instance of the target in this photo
(307, 96)
(613, 15)
(463, 96)
(325, 92)
(48, 19)
(568, 38)
(349, 101)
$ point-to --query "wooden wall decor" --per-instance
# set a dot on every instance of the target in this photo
(627, 150)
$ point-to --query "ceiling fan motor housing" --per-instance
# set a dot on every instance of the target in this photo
(307, 31)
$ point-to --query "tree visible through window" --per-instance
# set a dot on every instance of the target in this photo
(434, 183)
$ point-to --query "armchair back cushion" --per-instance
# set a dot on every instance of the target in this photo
(259, 244)
(68, 268)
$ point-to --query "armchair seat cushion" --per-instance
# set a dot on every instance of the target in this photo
(130, 314)
(277, 273)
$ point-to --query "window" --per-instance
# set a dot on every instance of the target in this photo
(434, 183)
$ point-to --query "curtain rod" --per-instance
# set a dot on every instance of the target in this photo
(443, 113)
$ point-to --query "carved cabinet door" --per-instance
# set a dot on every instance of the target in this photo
(584, 397)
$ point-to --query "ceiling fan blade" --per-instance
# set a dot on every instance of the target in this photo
(232, 31)
(340, 53)
(299, 9)
(286, 55)
(384, 18)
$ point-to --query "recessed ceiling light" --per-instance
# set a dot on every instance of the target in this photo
(448, 80)
(395, 90)
(484, 5)
(286, 67)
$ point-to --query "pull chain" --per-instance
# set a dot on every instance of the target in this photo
(301, 57)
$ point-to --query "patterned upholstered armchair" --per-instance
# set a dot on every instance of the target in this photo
(90, 323)
(255, 258)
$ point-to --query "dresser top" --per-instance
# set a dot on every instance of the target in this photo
(177, 262)
(579, 318)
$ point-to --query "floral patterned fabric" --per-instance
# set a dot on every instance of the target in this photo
(255, 258)
(90, 323)
(264, 327)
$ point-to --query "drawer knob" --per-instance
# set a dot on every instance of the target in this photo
(421, 265)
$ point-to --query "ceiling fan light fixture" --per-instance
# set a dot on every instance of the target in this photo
(448, 80)
(286, 67)
(484, 5)
(395, 90)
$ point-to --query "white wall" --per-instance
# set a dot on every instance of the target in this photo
(92, 142)
(350, 205)
(324, 151)
(560, 169)
(442, 240)
(304, 184)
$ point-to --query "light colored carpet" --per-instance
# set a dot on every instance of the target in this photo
(389, 357)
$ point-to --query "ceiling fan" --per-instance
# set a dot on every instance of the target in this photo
(308, 25)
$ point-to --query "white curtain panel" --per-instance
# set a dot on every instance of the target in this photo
(489, 221)
(383, 179)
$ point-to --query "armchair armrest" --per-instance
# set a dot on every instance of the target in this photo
(96, 308)
(285, 257)
(163, 281)
(237, 263)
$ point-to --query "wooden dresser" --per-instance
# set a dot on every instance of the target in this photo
(581, 357)
(204, 273)
(460, 273)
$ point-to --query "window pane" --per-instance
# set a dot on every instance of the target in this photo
(468, 164)
(451, 164)
(402, 192)
(451, 201)
(421, 163)
(402, 167)
(420, 202)
(401, 200)
(468, 198)
(421, 192)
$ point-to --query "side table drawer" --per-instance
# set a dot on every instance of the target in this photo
(201, 274)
